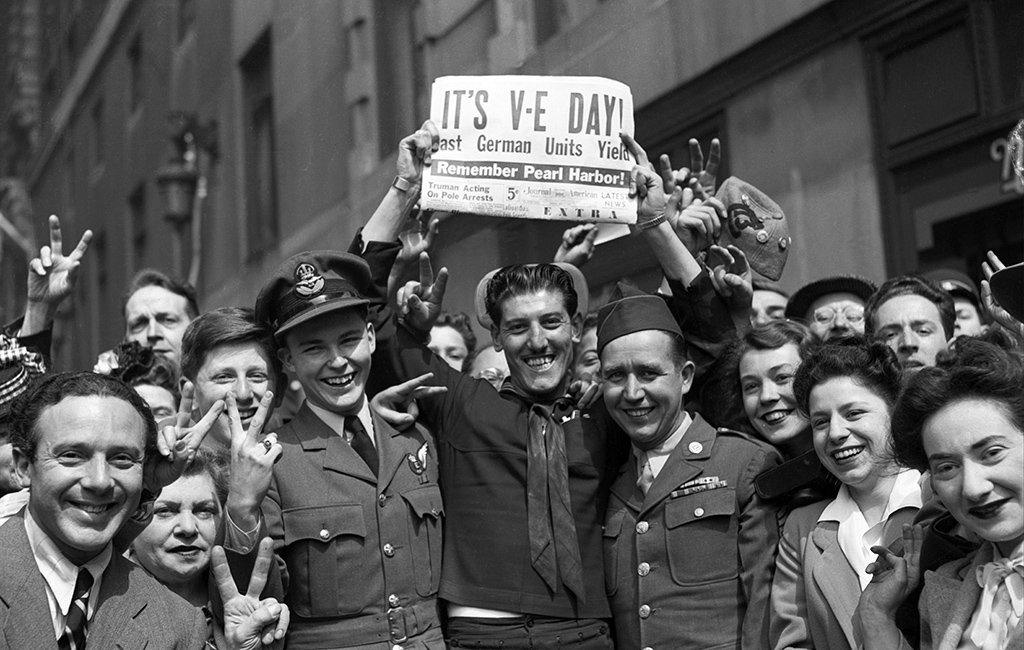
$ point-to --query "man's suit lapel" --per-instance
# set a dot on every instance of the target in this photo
(951, 602)
(835, 577)
(27, 622)
(338, 456)
(116, 623)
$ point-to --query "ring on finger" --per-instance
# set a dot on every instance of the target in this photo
(267, 445)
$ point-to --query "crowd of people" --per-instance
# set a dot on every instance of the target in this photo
(717, 464)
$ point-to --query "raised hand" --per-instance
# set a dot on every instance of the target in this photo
(252, 461)
(893, 578)
(414, 152)
(177, 443)
(697, 177)
(989, 268)
(732, 279)
(585, 392)
(697, 223)
(419, 303)
(646, 186)
(249, 623)
(577, 245)
(52, 275)
(397, 404)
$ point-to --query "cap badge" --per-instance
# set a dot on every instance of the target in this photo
(308, 281)
(741, 217)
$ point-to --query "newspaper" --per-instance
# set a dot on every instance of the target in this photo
(532, 147)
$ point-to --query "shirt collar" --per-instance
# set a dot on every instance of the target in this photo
(668, 446)
(337, 420)
(906, 493)
(60, 573)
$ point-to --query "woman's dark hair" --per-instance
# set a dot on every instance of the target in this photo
(29, 406)
(720, 393)
(872, 365)
(137, 365)
(216, 464)
(978, 370)
(460, 322)
(519, 279)
(224, 326)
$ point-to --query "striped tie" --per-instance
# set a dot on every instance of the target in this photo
(75, 626)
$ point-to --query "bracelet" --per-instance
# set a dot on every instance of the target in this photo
(401, 184)
(653, 223)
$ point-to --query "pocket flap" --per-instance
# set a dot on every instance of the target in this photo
(323, 523)
(425, 501)
(613, 526)
(694, 507)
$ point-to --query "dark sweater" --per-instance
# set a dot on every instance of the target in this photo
(481, 437)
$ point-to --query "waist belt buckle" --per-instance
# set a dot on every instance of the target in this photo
(397, 624)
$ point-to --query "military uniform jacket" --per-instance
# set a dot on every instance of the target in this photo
(362, 555)
(688, 566)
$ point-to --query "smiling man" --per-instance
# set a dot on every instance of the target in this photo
(226, 350)
(524, 471)
(80, 441)
(689, 546)
(353, 505)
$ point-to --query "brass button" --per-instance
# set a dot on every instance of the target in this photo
(396, 647)
(648, 648)
(381, 500)
(695, 447)
(698, 512)
(645, 611)
(642, 527)
(393, 600)
(762, 236)
(389, 550)
(324, 533)
(643, 569)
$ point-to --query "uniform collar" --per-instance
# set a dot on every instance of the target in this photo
(336, 421)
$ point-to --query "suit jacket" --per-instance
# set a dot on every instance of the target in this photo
(362, 554)
(815, 590)
(693, 570)
(950, 596)
(133, 611)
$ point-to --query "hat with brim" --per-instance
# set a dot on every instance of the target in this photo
(1008, 290)
(805, 297)
(579, 283)
(956, 283)
(311, 284)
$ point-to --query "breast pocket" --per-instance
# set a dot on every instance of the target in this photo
(701, 536)
(325, 550)
(425, 536)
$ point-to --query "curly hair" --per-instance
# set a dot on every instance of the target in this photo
(459, 321)
(872, 365)
(915, 285)
(216, 464)
(519, 279)
(29, 406)
(978, 370)
(139, 366)
(720, 393)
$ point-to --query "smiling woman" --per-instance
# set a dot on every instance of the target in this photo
(846, 390)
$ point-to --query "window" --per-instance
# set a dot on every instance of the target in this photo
(137, 223)
(135, 78)
(260, 176)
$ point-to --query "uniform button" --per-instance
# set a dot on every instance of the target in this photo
(324, 533)
(396, 647)
(381, 500)
(393, 600)
(389, 550)
(642, 527)
(645, 611)
(643, 569)
(698, 512)
(648, 648)
(695, 447)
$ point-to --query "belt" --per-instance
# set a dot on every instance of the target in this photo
(397, 624)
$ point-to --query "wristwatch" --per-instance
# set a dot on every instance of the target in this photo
(401, 184)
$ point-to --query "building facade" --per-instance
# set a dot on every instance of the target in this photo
(879, 126)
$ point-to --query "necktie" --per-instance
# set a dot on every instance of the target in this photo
(73, 637)
(361, 443)
(646, 474)
(554, 548)
(990, 626)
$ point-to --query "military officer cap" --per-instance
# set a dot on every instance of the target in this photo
(632, 310)
(311, 284)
